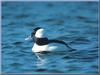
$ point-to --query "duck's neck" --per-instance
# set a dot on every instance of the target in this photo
(41, 41)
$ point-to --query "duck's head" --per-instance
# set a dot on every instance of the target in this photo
(38, 32)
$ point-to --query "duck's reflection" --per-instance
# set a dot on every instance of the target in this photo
(40, 61)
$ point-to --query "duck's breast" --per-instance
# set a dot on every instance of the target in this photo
(38, 48)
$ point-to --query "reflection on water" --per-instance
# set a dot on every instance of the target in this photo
(74, 22)
(41, 63)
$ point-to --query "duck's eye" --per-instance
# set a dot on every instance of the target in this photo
(32, 34)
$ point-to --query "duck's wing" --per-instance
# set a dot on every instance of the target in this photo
(59, 41)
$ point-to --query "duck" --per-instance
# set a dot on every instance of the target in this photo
(42, 43)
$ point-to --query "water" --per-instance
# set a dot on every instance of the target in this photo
(74, 22)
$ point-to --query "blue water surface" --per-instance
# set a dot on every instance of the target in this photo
(74, 22)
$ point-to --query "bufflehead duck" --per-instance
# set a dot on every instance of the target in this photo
(42, 43)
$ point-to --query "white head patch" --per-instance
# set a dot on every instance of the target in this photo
(40, 33)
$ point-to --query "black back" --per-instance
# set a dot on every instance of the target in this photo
(41, 41)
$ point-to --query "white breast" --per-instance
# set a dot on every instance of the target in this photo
(37, 48)
(49, 47)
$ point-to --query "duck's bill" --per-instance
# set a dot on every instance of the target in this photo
(28, 38)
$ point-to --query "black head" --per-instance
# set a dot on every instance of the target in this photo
(34, 31)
